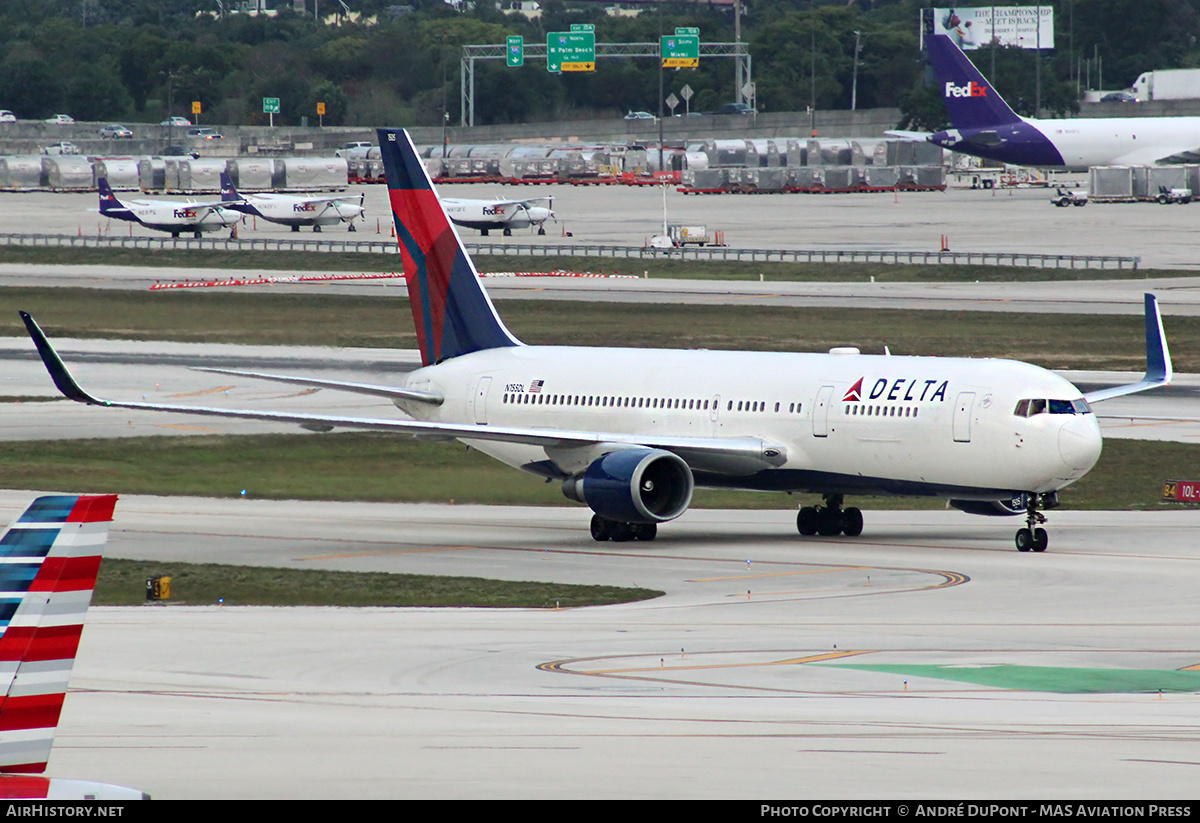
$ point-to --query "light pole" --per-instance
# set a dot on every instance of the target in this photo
(854, 82)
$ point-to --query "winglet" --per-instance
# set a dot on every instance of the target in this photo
(58, 370)
(1159, 371)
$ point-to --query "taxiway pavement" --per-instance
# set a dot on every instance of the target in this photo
(762, 673)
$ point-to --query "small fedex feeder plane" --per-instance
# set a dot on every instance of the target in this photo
(49, 558)
(631, 432)
(171, 216)
(294, 211)
(499, 215)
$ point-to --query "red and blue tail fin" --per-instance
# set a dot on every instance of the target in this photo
(971, 101)
(452, 312)
(49, 557)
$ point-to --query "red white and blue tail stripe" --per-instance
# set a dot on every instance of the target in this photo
(49, 558)
(452, 313)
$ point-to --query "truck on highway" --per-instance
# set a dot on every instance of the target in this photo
(1167, 84)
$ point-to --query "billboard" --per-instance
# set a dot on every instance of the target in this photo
(1026, 27)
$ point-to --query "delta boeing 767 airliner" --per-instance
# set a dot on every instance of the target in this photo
(631, 432)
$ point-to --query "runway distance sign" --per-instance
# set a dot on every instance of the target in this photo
(1182, 491)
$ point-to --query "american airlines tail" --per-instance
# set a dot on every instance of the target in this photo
(452, 313)
(49, 558)
(971, 102)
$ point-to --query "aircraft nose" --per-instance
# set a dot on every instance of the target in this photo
(1079, 442)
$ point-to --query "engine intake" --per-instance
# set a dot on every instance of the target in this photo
(634, 486)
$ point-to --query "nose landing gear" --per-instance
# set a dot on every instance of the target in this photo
(1031, 538)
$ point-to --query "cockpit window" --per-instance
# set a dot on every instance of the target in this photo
(1037, 405)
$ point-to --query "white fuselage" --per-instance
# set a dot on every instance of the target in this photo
(1119, 141)
(178, 217)
(498, 214)
(302, 211)
(916, 425)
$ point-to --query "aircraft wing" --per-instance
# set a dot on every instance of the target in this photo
(733, 455)
(1182, 156)
(909, 135)
(1159, 370)
(521, 202)
(358, 388)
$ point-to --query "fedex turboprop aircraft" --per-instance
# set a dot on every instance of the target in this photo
(167, 215)
(984, 126)
(499, 215)
(291, 210)
(631, 432)
(50, 557)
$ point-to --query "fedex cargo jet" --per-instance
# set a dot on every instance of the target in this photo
(631, 432)
(984, 126)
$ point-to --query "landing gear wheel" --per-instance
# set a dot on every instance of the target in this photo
(1040, 540)
(352, 228)
(829, 522)
(197, 235)
(601, 528)
(1030, 538)
(806, 521)
(852, 522)
(508, 232)
(295, 228)
(541, 231)
(1024, 540)
(622, 532)
(316, 228)
(645, 531)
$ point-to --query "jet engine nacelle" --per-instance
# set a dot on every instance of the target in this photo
(634, 486)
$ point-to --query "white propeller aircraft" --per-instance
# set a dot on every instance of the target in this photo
(291, 210)
(167, 215)
(631, 432)
(502, 215)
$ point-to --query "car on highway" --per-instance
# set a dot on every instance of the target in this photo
(65, 147)
(735, 108)
(176, 120)
(204, 133)
(115, 131)
(7, 116)
(639, 115)
(1119, 97)
(60, 118)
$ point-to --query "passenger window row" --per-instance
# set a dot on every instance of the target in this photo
(868, 410)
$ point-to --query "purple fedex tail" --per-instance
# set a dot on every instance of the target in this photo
(971, 102)
(452, 313)
(110, 206)
(983, 124)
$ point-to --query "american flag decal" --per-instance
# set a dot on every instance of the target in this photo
(536, 386)
(49, 558)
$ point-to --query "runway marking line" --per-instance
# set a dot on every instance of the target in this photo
(203, 391)
(814, 658)
(776, 574)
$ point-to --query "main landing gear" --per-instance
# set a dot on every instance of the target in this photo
(618, 532)
(1030, 538)
(830, 519)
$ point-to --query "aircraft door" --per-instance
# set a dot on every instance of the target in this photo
(963, 407)
(481, 396)
(820, 420)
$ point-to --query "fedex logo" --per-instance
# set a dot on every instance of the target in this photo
(185, 213)
(494, 210)
(300, 207)
(971, 89)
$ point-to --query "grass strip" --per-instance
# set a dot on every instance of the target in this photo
(1060, 341)
(123, 583)
(355, 262)
(379, 467)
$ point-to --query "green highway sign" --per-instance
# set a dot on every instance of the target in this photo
(681, 51)
(571, 51)
(514, 56)
(687, 30)
(270, 105)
